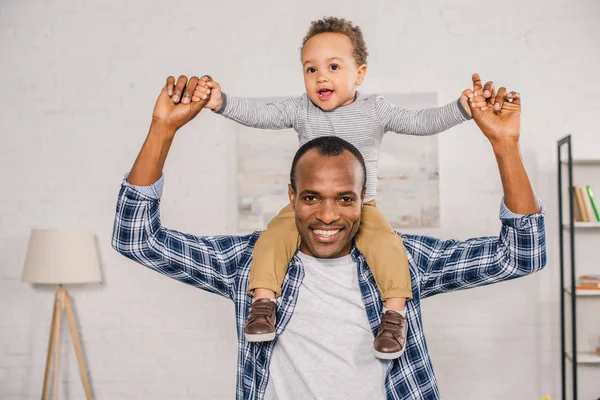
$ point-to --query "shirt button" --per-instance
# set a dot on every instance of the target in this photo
(290, 298)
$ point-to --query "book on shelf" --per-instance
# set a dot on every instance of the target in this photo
(593, 204)
(580, 203)
(588, 282)
(586, 208)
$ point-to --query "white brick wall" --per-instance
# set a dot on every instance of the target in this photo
(78, 81)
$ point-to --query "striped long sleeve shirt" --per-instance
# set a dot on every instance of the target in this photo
(362, 123)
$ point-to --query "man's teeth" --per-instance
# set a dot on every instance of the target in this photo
(325, 233)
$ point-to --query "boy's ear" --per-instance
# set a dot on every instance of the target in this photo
(362, 71)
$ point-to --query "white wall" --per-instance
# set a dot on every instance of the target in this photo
(78, 81)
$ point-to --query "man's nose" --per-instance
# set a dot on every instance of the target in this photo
(328, 213)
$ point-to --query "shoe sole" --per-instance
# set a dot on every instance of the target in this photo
(263, 337)
(389, 356)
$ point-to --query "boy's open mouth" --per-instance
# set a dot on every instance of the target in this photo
(324, 94)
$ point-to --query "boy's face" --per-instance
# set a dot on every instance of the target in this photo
(327, 202)
(331, 75)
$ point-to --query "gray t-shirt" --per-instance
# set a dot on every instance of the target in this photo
(326, 349)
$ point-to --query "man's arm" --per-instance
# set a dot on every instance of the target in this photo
(448, 265)
(424, 122)
(501, 124)
(167, 118)
(521, 247)
(208, 263)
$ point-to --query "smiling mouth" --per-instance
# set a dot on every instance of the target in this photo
(324, 94)
(326, 235)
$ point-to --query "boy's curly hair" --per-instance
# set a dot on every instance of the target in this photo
(340, 25)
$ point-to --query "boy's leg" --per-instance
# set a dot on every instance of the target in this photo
(272, 253)
(385, 254)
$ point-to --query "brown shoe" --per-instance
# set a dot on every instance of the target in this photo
(390, 341)
(260, 326)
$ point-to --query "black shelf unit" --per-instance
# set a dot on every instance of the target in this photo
(568, 229)
(566, 143)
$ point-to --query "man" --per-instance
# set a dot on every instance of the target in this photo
(310, 359)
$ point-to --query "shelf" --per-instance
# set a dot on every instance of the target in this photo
(584, 161)
(583, 225)
(585, 292)
(585, 358)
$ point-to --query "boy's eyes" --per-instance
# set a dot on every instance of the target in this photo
(312, 70)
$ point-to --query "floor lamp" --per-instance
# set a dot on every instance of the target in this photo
(60, 257)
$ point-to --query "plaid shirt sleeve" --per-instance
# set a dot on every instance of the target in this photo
(208, 263)
(447, 265)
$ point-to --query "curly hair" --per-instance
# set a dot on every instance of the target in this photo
(340, 25)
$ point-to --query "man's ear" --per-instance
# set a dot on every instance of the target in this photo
(363, 195)
(292, 195)
(362, 71)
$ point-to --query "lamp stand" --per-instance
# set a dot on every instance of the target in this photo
(62, 304)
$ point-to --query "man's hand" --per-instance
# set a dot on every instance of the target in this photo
(497, 114)
(167, 118)
(172, 114)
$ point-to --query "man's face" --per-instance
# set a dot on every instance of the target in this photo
(328, 201)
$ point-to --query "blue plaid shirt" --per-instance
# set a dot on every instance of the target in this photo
(221, 265)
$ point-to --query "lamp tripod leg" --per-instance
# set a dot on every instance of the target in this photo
(77, 345)
(50, 348)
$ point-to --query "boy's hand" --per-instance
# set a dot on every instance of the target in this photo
(206, 86)
(464, 100)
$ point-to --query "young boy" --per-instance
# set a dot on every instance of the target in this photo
(334, 59)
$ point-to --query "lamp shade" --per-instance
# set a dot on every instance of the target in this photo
(56, 256)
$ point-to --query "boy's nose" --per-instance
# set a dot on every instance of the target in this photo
(321, 79)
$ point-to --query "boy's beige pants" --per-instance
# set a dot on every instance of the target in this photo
(382, 247)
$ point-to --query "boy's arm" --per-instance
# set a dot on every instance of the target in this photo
(250, 112)
(419, 122)
(261, 114)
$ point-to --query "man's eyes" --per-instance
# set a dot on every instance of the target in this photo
(345, 199)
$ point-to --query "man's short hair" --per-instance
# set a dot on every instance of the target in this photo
(328, 146)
